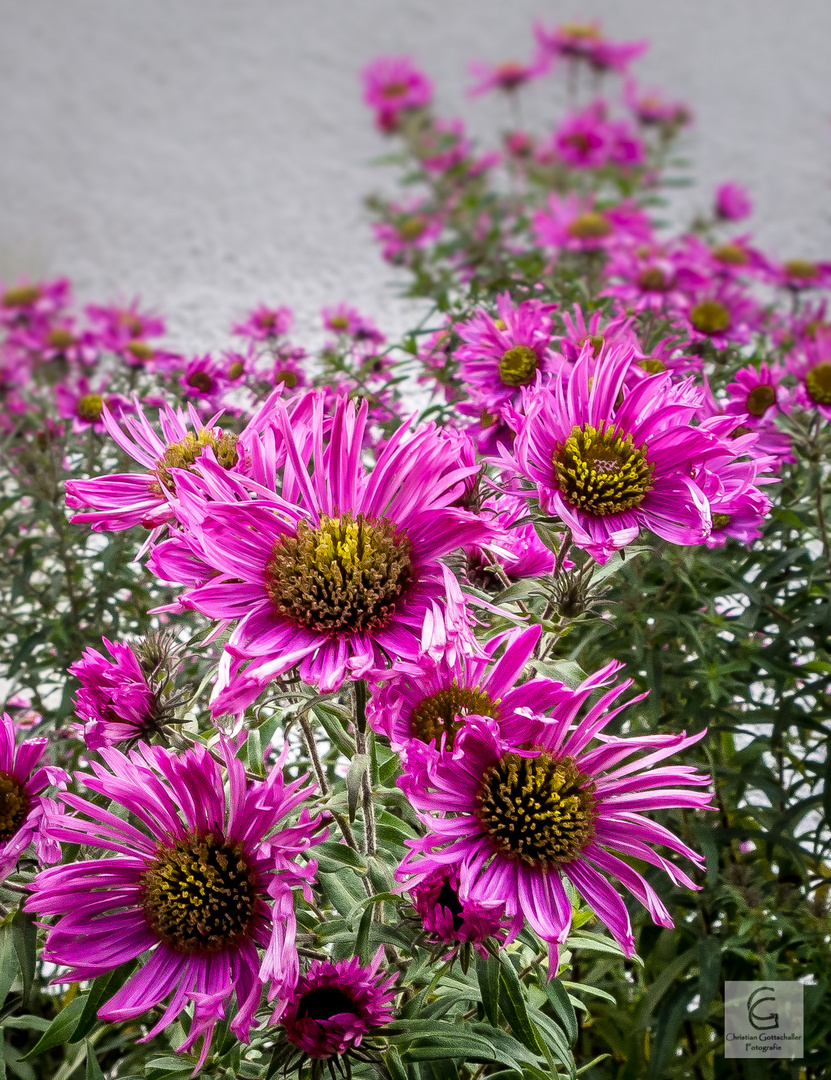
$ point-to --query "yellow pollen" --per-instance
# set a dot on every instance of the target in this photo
(22, 296)
(89, 407)
(601, 472)
(801, 268)
(518, 366)
(591, 225)
(760, 399)
(710, 317)
(818, 383)
(441, 713)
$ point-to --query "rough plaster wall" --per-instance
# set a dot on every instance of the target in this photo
(208, 154)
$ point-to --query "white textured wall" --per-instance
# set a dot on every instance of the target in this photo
(207, 154)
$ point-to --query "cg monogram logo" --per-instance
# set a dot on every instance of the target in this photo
(755, 1004)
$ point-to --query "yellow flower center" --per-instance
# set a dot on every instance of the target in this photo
(440, 713)
(601, 472)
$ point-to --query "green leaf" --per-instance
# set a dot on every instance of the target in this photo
(561, 1004)
(354, 778)
(93, 1068)
(61, 1027)
(333, 852)
(361, 949)
(487, 972)
(102, 989)
(9, 966)
(512, 1001)
(25, 943)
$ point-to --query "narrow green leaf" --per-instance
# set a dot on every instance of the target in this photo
(25, 943)
(9, 966)
(361, 949)
(61, 1027)
(563, 1009)
(512, 1001)
(359, 765)
(93, 1068)
(487, 972)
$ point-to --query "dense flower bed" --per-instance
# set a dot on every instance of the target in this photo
(447, 707)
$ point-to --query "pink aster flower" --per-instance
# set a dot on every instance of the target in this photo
(799, 274)
(598, 332)
(429, 707)
(576, 223)
(22, 777)
(811, 367)
(118, 326)
(450, 917)
(650, 278)
(724, 315)
(507, 76)
(410, 229)
(609, 459)
(340, 570)
(651, 108)
(733, 202)
(343, 319)
(83, 404)
(518, 821)
(27, 304)
(123, 500)
(739, 508)
(521, 552)
(584, 41)
(203, 945)
(115, 702)
(758, 395)
(501, 354)
(205, 377)
(264, 323)
(588, 139)
(336, 1005)
(392, 85)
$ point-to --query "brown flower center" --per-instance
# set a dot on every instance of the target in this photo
(720, 521)
(199, 895)
(591, 225)
(286, 377)
(601, 472)
(59, 338)
(731, 254)
(22, 296)
(537, 810)
(346, 575)
(653, 365)
(760, 399)
(518, 366)
(14, 805)
(183, 454)
(442, 713)
(653, 279)
(89, 407)
(140, 350)
(201, 380)
(710, 317)
(412, 228)
(818, 383)
(801, 268)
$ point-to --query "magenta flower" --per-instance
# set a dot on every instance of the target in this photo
(123, 500)
(651, 278)
(584, 41)
(521, 552)
(507, 76)
(429, 707)
(799, 274)
(651, 108)
(27, 304)
(738, 506)
(343, 319)
(576, 223)
(118, 327)
(723, 316)
(608, 459)
(392, 85)
(517, 821)
(499, 355)
(264, 323)
(22, 808)
(336, 1005)
(598, 332)
(203, 942)
(450, 917)
(733, 202)
(811, 366)
(757, 394)
(342, 569)
(115, 702)
(205, 377)
(83, 403)
(410, 229)
(589, 140)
